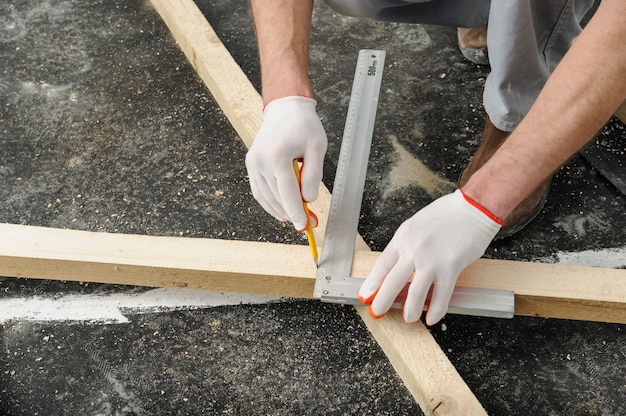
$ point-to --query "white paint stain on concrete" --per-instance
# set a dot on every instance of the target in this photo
(612, 258)
(112, 308)
(579, 225)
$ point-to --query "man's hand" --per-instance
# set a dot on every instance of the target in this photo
(431, 248)
(291, 130)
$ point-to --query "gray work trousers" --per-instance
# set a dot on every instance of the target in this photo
(526, 40)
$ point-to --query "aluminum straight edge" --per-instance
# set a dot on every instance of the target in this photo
(465, 300)
(345, 206)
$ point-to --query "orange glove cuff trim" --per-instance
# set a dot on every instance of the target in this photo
(482, 209)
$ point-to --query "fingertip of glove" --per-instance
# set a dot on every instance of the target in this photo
(300, 224)
(406, 314)
(367, 300)
(374, 314)
(431, 321)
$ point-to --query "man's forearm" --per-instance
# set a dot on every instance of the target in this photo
(580, 96)
(283, 28)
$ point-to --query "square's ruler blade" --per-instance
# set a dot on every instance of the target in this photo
(334, 283)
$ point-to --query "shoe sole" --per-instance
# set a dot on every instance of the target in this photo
(476, 56)
(518, 226)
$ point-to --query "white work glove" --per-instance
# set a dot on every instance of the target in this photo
(431, 248)
(291, 130)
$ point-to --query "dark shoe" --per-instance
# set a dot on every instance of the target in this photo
(530, 207)
(473, 44)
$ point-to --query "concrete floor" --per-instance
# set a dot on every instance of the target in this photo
(105, 126)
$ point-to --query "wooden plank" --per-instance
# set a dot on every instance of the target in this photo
(546, 290)
(555, 290)
(240, 266)
(421, 364)
(242, 105)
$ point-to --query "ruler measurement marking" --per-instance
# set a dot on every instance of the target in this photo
(344, 211)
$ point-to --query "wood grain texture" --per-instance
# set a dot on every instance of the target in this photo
(545, 290)
(210, 264)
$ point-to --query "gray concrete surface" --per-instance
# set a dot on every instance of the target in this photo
(105, 126)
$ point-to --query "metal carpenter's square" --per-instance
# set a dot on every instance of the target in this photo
(334, 283)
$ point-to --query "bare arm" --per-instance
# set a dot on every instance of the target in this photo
(581, 95)
(283, 28)
(291, 128)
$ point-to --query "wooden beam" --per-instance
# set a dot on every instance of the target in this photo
(555, 290)
(546, 290)
(195, 263)
(242, 105)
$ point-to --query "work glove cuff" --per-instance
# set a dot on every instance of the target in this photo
(297, 100)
